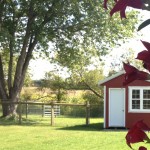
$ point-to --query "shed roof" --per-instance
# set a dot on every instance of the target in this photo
(111, 77)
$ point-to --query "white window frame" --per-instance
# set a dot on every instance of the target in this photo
(141, 88)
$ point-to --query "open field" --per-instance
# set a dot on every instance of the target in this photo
(35, 133)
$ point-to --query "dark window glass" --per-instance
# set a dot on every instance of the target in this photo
(135, 104)
(146, 94)
(136, 94)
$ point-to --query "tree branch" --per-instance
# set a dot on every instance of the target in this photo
(48, 16)
(27, 60)
(2, 2)
(2, 81)
(10, 65)
(11, 49)
(90, 88)
(96, 93)
(21, 59)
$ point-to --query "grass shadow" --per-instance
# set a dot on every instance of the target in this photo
(24, 122)
(61, 123)
(91, 127)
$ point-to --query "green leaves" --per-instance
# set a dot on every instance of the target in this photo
(144, 24)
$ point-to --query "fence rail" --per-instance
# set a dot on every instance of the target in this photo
(52, 105)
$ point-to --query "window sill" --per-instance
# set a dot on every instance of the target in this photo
(139, 111)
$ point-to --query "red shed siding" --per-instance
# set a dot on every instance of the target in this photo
(130, 117)
(116, 82)
(139, 83)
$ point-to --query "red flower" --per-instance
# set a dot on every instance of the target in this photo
(145, 56)
(121, 6)
(142, 148)
(136, 134)
(141, 125)
(105, 4)
(146, 44)
(133, 74)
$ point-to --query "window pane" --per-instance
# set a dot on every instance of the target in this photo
(146, 104)
(146, 94)
(135, 104)
(135, 93)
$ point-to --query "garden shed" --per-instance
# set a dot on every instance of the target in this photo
(125, 105)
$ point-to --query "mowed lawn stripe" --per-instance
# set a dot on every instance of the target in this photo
(64, 136)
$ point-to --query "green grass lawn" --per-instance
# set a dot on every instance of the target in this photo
(35, 133)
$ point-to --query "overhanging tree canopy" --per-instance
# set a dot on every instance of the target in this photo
(27, 26)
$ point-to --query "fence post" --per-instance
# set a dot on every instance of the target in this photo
(20, 112)
(42, 110)
(26, 109)
(87, 113)
(52, 113)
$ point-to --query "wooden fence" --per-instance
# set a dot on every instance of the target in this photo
(46, 111)
(52, 104)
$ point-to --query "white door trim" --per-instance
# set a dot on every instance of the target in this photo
(104, 125)
(109, 123)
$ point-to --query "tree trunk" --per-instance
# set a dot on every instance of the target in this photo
(5, 110)
(9, 108)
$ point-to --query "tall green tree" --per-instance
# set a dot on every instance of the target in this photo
(55, 83)
(27, 26)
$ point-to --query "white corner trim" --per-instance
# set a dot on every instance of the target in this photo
(104, 125)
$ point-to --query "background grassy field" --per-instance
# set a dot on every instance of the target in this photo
(35, 133)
